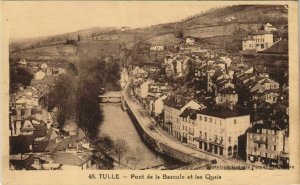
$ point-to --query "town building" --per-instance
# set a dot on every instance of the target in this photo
(157, 48)
(23, 61)
(39, 75)
(190, 40)
(230, 18)
(269, 27)
(173, 107)
(258, 41)
(227, 95)
(267, 144)
(218, 128)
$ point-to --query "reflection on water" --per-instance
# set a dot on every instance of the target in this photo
(117, 124)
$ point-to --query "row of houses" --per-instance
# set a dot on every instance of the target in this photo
(226, 105)
(36, 141)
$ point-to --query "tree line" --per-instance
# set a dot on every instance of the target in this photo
(76, 96)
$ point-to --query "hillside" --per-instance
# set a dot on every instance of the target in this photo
(209, 27)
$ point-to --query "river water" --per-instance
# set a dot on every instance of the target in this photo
(117, 124)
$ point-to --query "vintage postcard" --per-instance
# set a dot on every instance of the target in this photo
(149, 92)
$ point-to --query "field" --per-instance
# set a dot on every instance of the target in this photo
(47, 53)
(166, 40)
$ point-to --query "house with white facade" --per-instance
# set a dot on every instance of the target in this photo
(190, 40)
(269, 27)
(258, 41)
(157, 48)
(267, 144)
(173, 107)
(227, 95)
(217, 129)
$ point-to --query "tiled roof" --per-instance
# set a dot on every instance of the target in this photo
(40, 130)
(281, 47)
(228, 90)
(176, 103)
(27, 126)
(23, 164)
(40, 146)
(277, 125)
(192, 113)
(20, 144)
(67, 158)
(222, 111)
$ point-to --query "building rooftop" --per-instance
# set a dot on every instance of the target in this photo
(175, 102)
(20, 144)
(228, 90)
(222, 111)
(280, 47)
(68, 158)
(192, 113)
(40, 130)
(270, 125)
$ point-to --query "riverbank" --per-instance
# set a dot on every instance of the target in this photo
(163, 144)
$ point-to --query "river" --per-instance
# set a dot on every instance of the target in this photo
(117, 124)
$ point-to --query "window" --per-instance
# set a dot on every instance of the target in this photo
(210, 120)
(258, 131)
(274, 147)
(200, 118)
(234, 121)
(266, 146)
(259, 145)
(257, 137)
(205, 119)
(266, 154)
(229, 139)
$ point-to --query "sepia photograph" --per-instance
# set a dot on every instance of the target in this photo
(128, 86)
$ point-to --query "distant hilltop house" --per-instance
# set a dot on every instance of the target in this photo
(44, 66)
(269, 27)
(23, 61)
(157, 48)
(229, 19)
(258, 41)
(125, 28)
(190, 40)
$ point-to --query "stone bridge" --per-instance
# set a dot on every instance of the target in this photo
(111, 97)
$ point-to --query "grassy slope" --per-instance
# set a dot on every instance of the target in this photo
(249, 18)
(164, 33)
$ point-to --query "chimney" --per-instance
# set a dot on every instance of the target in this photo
(230, 106)
(255, 106)
(18, 128)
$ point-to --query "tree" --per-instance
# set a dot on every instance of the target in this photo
(63, 96)
(179, 34)
(136, 157)
(120, 148)
(104, 144)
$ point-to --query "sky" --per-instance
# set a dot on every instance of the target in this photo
(34, 19)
